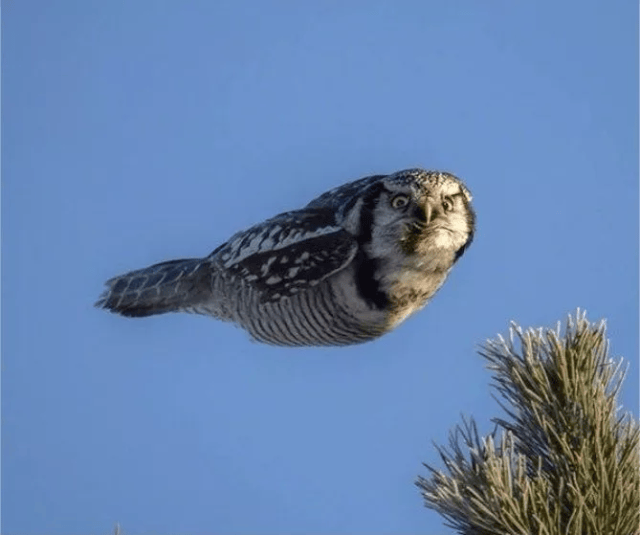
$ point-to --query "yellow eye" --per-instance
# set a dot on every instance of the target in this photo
(447, 204)
(399, 201)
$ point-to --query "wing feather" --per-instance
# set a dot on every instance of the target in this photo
(288, 253)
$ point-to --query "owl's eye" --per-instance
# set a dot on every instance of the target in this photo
(447, 204)
(399, 201)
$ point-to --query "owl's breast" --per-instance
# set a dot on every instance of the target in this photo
(410, 287)
(327, 314)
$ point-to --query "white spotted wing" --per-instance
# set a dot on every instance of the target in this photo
(288, 253)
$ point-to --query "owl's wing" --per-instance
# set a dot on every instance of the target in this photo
(343, 197)
(288, 253)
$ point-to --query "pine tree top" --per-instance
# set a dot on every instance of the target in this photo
(565, 460)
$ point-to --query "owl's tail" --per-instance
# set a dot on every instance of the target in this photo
(165, 287)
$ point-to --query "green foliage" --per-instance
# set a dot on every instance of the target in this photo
(566, 461)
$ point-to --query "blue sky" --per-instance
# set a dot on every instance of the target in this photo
(136, 132)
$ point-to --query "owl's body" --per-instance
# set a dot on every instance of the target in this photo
(345, 269)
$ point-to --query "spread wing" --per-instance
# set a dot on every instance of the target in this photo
(288, 253)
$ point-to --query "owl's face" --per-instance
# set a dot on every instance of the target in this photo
(422, 215)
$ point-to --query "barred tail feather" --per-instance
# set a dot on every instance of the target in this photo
(165, 287)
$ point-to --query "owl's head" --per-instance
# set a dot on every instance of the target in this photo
(426, 211)
(412, 212)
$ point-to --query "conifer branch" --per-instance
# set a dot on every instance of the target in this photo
(565, 462)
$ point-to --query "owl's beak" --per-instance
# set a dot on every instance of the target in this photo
(427, 211)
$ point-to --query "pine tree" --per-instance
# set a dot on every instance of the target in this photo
(565, 461)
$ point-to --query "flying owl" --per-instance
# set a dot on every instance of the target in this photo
(345, 269)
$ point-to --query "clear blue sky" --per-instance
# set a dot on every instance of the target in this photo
(139, 131)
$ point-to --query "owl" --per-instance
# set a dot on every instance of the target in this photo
(347, 268)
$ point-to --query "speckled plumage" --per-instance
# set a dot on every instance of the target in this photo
(347, 268)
